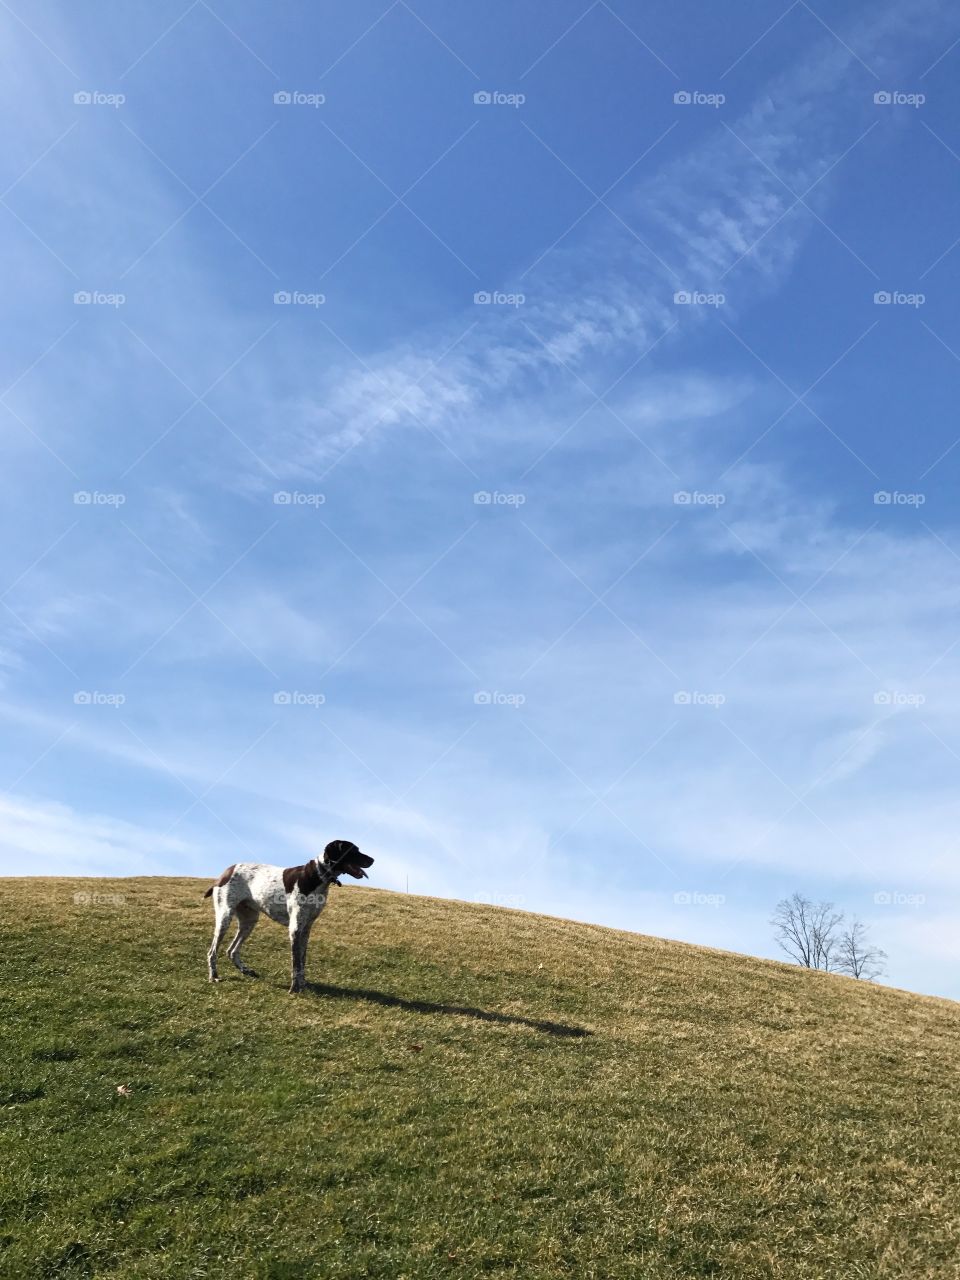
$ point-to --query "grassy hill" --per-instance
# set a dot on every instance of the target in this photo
(465, 1092)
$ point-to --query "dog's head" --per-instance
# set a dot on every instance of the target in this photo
(344, 858)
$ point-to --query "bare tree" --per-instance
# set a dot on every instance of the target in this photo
(857, 956)
(809, 932)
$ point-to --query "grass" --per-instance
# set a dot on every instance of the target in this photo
(465, 1092)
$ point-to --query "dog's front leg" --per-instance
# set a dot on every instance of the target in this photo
(299, 932)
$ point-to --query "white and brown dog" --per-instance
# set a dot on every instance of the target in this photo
(292, 896)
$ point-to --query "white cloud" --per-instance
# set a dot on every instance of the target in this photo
(39, 837)
(732, 200)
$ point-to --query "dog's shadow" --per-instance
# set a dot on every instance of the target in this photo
(455, 1010)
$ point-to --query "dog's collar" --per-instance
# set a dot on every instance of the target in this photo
(327, 874)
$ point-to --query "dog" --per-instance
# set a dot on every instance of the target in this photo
(292, 896)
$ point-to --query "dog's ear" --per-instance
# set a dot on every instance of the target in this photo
(337, 850)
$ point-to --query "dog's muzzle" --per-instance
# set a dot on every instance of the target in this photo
(355, 866)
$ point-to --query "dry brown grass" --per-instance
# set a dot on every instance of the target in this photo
(465, 1091)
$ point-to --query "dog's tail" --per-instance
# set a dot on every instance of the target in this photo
(222, 881)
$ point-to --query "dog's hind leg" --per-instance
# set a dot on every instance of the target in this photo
(247, 917)
(221, 925)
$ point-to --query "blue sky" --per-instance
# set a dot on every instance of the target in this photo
(678, 658)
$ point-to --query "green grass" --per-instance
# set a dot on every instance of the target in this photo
(466, 1092)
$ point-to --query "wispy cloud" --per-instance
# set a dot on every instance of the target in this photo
(53, 839)
(730, 215)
